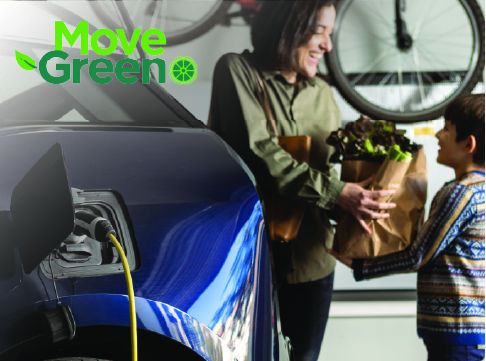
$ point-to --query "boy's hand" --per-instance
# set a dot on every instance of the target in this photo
(360, 202)
(344, 260)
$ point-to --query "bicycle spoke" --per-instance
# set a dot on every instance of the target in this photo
(356, 43)
(361, 43)
(432, 39)
(116, 13)
(424, 74)
(378, 15)
(445, 42)
(418, 27)
(349, 48)
(371, 66)
(432, 54)
(438, 17)
(447, 55)
(163, 10)
(416, 61)
(26, 39)
(428, 58)
(154, 15)
(400, 82)
(360, 35)
(174, 18)
(460, 45)
(431, 81)
(449, 34)
(135, 11)
(386, 78)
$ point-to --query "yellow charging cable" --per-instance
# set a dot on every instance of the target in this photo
(131, 296)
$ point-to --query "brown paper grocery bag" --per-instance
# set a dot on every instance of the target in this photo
(391, 234)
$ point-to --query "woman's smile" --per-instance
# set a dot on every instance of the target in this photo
(315, 57)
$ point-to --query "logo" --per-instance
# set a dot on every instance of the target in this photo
(182, 70)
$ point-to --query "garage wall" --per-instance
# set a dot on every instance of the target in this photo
(206, 51)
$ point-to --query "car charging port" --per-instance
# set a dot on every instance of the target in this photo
(81, 256)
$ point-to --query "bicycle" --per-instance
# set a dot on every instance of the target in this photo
(390, 60)
(181, 22)
(413, 68)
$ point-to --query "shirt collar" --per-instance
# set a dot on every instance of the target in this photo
(267, 74)
(469, 174)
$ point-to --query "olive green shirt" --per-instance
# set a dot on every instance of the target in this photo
(306, 109)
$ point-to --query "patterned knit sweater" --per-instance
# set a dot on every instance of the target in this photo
(448, 255)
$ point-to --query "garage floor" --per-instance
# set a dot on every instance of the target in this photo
(363, 339)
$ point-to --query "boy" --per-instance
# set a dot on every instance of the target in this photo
(448, 253)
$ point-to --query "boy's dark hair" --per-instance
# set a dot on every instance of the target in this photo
(280, 27)
(467, 114)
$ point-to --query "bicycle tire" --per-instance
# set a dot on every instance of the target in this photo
(203, 25)
(364, 106)
(184, 35)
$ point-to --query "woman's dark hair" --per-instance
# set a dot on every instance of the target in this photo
(467, 114)
(280, 27)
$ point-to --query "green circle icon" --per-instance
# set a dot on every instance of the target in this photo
(183, 70)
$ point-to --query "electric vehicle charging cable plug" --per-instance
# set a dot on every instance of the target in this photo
(101, 230)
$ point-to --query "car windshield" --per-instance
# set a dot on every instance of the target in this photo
(27, 28)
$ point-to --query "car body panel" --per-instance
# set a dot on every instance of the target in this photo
(199, 227)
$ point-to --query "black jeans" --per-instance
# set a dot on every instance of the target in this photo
(304, 310)
(440, 352)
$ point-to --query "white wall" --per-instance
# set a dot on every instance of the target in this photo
(206, 51)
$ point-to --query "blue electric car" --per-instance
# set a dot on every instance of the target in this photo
(182, 203)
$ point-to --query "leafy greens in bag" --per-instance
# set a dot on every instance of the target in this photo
(365, 147)
(371, 141)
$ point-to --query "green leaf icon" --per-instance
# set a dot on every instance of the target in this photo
(25, 61)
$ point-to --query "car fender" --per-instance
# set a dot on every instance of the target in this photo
(112, 310)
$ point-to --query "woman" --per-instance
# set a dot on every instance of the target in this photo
(289, 38)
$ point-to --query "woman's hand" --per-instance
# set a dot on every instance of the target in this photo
(344, 260)
(360, 202)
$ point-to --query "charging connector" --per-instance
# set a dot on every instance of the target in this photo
(100, 229)
(97, 228)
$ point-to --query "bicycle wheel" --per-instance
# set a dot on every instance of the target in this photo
(445, 60)
(181, 21)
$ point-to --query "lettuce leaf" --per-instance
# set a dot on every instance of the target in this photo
(368, 140)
